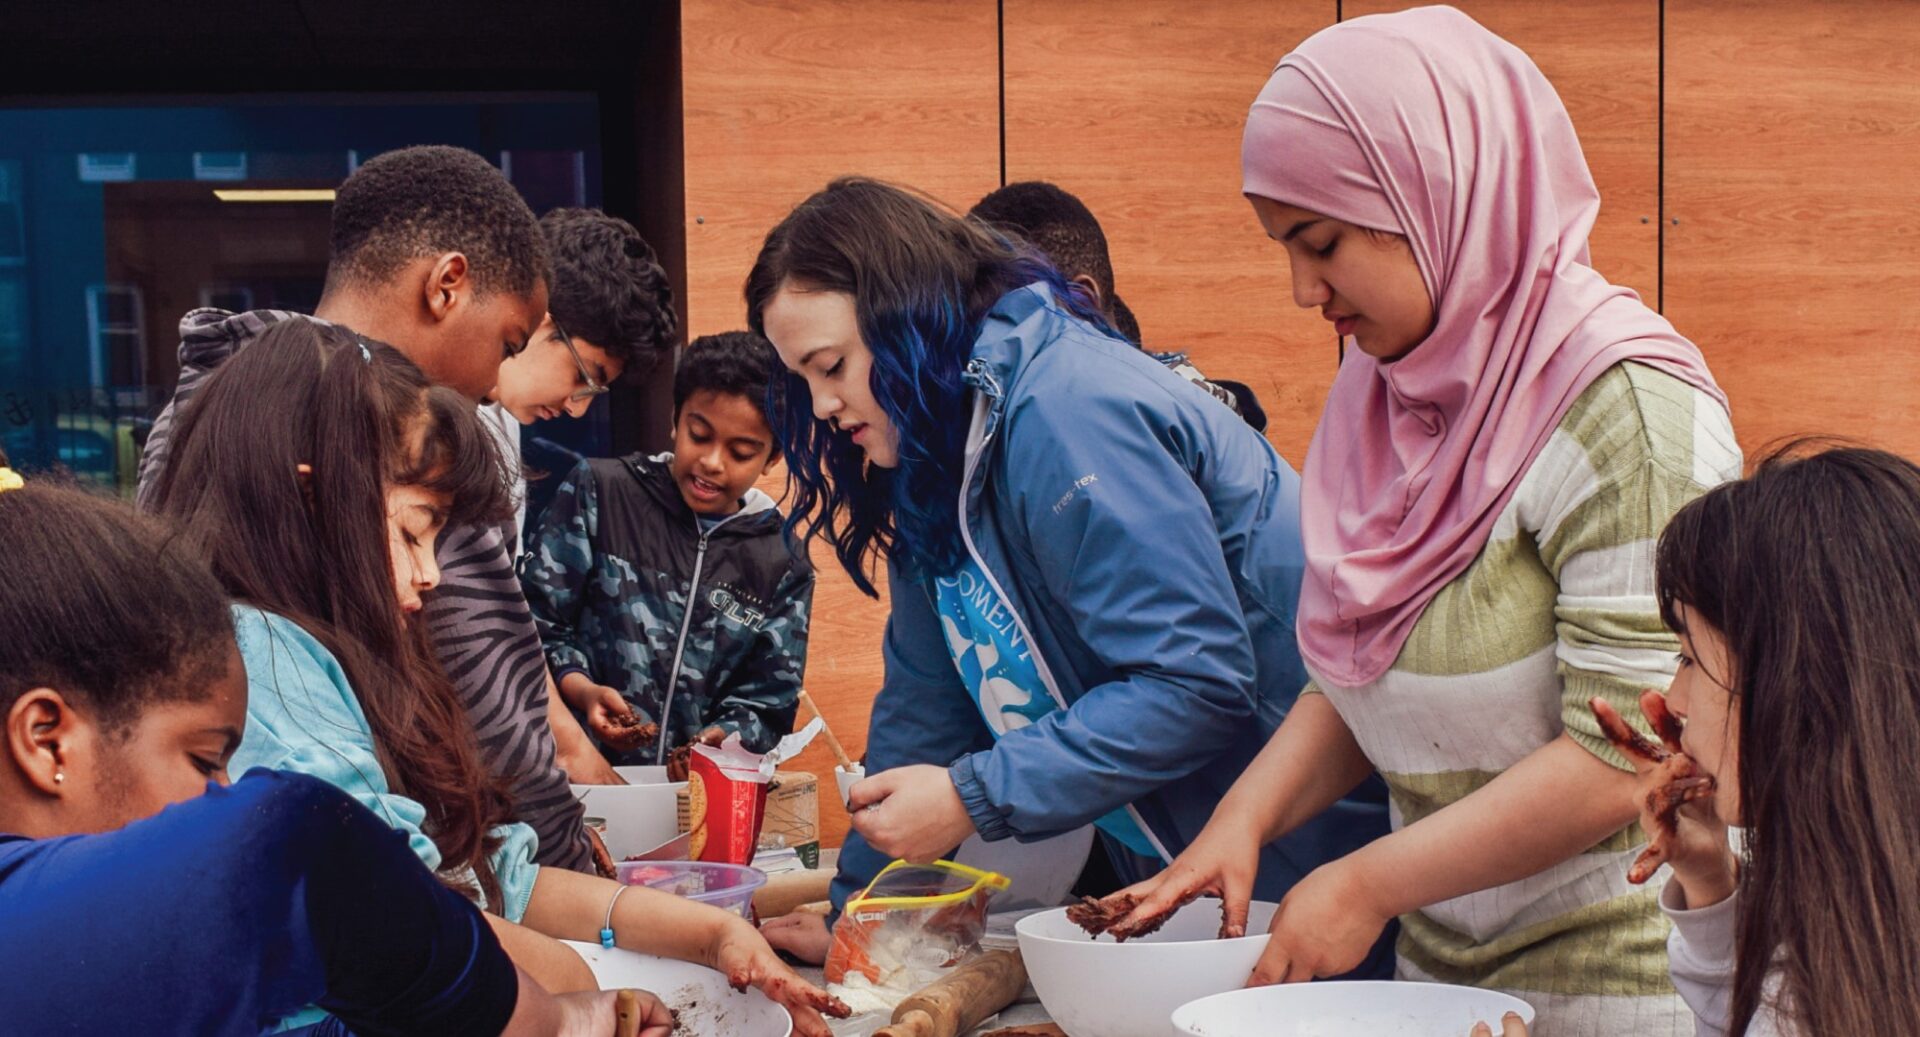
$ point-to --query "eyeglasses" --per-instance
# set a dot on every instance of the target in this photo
(592, 388)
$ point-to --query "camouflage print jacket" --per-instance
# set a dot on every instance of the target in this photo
(609, 573)
(1237, 396)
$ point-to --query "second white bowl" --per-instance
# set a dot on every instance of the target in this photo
(1375, 1008)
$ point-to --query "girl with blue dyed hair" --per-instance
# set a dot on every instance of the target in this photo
(1092, 565)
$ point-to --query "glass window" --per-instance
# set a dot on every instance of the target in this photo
(235, 297)
(111, 231)
(107, 167)
(116, 334)
(219, 165)
(13, 320)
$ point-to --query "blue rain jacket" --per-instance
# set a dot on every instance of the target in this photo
(1149, 542)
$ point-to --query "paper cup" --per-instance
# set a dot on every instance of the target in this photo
(846, 778)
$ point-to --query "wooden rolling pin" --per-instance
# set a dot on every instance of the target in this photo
(789, 890)
(960, 1000)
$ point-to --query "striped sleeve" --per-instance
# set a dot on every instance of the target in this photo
(1635, 449)
(486, 640)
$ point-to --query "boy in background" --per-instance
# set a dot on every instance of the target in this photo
(1061, 227)
(609, 316)
(672, 605)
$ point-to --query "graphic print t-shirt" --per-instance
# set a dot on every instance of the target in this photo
(997, 666)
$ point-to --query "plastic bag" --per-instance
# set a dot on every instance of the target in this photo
(911, 924)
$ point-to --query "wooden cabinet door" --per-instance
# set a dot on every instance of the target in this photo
(1603, 57)
(1137, 108)
(1793, 187)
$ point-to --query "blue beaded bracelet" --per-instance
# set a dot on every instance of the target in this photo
(606, 931)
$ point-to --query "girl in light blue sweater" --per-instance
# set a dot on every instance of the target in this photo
(317, 475)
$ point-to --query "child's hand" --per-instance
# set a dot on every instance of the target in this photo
(802, 934)
(1676, 805)
(602, 860)
(1698, 849)
(594, 1014)
(1510, 1026)
(1325, 926)
(1220, 863)
(585, 766)
(615, 722)
(611, 718)
(745, 958)
(680, 760)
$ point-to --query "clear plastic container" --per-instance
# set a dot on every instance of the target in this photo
(729, 887)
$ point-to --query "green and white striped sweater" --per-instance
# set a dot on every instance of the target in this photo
(1558, 608)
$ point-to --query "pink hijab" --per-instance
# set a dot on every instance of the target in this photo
(1423, 123)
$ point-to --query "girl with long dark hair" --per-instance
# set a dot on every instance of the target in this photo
(301, 526)
(316, 475)
(1796, 596)
(1092, 564)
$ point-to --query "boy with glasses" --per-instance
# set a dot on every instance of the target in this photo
(609, 311)
(609, 316)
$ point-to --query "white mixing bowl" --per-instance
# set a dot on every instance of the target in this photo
(1099, 988)
(640, 815)
(707, 1006)
(1375, 1008)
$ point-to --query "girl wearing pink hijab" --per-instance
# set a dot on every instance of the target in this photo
(1505, 439)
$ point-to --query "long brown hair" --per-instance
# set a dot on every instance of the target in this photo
(1810, 569)
(316, 550)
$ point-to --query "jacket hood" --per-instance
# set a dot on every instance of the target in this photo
(1017, 329)
(208, 336)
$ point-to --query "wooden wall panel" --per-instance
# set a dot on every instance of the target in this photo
(783, 95)
(1793, 136)
(780, 97)
(1140, 114)
(1137, 108)
(1603, 56)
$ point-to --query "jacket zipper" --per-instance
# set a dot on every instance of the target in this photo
(680, 646)
(986, 388)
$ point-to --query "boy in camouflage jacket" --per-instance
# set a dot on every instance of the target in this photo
(664, 588)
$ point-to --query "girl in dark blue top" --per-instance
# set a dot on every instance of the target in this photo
(130, 901)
